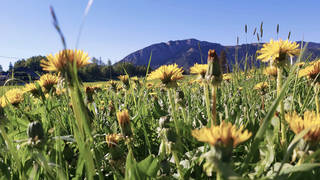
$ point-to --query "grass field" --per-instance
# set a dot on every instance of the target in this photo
(143, 129)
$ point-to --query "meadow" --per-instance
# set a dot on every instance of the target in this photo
(254, 123)
(166, 125)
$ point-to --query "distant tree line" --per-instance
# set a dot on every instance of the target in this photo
(95, 71)
(98, 71)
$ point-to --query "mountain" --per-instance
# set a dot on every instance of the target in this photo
(187, 52)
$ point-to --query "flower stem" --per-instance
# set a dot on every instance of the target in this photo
(173, 113)
(214, 105)
(207, 99)
(177, 161)
(218, 176)
(282, 119)
(173, 110)
(316, 92)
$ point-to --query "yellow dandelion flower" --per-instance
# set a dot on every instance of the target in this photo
(225, 133)
(47, 81)
(113, 139)
(314, 62)
(197, 81)
(113, 84)
(137, 83)
(60, 91)
(58, 62)
(312, 71)
(227, 76)
(271, 71)
(277, 51)
(168, 74)
(135, 79)
(31, 88)
(13, 96)
(310, 120)
(200, 69)
(261, 86)
(124, 79)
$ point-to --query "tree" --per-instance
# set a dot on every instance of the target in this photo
(110, 69)
(1, 69)
(10, 66)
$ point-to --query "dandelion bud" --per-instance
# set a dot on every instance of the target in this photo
(112, 141)
(214, 74)
(180, 98)
(111, 107)
(89, 92)
(124, 122)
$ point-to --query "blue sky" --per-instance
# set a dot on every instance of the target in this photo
(114, 29)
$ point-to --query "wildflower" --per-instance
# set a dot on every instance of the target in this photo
(262, 86)
(310, 120)
(277, 51)
(13, 96)
(47, 81)
(123, 117)
(224, 134)
(111, 107)
(271, 71)
(312, 71)
(137, 82)
(113, 84)
(214, 74)
(89, 90)
(124, 79)
(60, 91)
(168, 74)
(102, 105)
(124, 122)
(200, 69)
(92, 89)
(113, 139)
(59, 61)
(150, 85)
(32, 88)
(115, 152)
(227, 76)
(135, 79)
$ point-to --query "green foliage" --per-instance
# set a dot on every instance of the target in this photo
(74, 144)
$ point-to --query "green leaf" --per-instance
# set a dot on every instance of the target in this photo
(300, 168)
(4, 170)
(149, 166)
(291, 146)
(132, 171)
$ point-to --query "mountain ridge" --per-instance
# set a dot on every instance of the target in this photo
(186, 52)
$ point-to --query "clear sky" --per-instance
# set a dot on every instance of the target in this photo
(116, 28)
